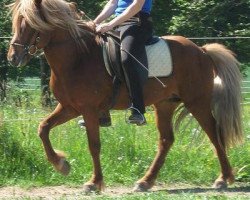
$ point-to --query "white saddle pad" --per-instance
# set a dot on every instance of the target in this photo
(159, 59)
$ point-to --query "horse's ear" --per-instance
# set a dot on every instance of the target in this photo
(38, 3)
(74, 8)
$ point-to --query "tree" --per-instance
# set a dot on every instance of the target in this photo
(7, 72)
(4, 30)
(214, 18)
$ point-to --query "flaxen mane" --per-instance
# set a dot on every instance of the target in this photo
(48, 16)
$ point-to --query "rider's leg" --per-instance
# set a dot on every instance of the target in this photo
(133, 56)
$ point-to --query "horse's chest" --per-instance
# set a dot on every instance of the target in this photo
(71, 93)
(61, 91)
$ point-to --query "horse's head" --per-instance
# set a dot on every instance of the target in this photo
(26, 40)
(25, 43)
(36, 23)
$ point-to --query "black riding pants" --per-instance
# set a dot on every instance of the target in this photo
(133, 34)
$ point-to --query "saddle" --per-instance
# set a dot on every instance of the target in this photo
(112, 54)
(158, 55)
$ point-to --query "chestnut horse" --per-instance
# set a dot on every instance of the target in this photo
(82, 85)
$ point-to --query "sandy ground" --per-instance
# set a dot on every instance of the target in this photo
(67, 192)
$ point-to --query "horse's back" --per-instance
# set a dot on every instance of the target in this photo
(178, 40)
(187, 55)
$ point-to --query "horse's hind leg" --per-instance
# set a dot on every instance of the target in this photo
(57, 117)
(164, 112)
(202, 112)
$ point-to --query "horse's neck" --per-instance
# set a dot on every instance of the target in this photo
(63, 53)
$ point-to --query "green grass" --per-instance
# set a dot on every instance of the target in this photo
(127, 152)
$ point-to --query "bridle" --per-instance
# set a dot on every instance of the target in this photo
(27, 48)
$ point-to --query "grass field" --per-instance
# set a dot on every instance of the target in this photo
(127, 151)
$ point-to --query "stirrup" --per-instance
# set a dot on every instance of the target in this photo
(137, 119)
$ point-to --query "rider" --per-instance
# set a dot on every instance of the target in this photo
(132, 19)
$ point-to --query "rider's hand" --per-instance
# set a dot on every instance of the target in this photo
(92, 25)
(102, 28)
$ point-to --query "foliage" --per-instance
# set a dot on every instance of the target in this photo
(5, 32)
(214, 18)
(91, 8)
(4, 29)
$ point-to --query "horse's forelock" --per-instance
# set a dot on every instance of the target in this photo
(30, 12)
(58, 14)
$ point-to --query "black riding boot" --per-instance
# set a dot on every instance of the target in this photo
(135, 89)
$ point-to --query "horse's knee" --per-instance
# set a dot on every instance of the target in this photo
(43, 129)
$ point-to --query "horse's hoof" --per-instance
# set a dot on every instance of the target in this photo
(220, 185)
(141, 187)
(63, 167)
(90, 188)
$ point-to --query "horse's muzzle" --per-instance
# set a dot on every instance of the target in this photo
(13, 60)
(17, 61)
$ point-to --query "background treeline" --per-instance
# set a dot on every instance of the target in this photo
(199, 18)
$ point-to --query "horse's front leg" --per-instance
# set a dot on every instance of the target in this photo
(92, 127)
(59, 116)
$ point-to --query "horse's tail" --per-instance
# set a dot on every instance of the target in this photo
(226, 105)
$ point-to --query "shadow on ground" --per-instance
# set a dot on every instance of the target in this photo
(198, 190)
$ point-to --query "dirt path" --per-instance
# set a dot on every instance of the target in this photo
(67, 192)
